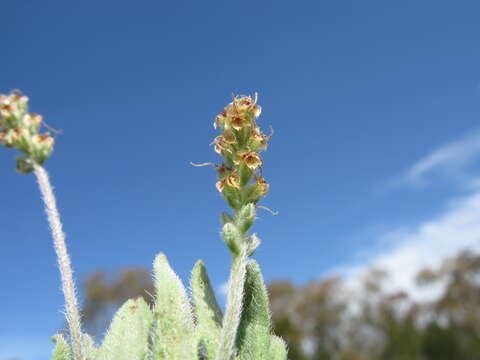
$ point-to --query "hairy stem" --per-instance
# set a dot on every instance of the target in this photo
(68, 286)
(231, 320)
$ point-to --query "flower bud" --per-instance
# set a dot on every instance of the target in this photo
(24, 165)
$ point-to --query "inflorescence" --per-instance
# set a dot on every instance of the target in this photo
(240, 145)
(19, 129)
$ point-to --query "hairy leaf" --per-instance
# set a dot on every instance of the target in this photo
(278, 349)
(253, 339)
(206, 309)
(89, 348)
(127, 337)
(62, 350)
(173, 332)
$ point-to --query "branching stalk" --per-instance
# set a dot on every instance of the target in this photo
(68, 286)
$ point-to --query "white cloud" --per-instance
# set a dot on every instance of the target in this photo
(450, 160)
(426, 245)
(405, 251)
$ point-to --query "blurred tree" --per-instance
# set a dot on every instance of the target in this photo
(439, 343)
(106, 292)
(282, 296)
(456, 320)
(320, 310)
(326, 320)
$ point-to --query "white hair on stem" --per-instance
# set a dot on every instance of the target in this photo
(233, 312)
(64, 265)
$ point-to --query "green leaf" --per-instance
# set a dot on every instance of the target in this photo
(206, 309)
(89, 348)
(226, 218)
(278, 348)
(252, 243)
(246, 217)
(233, 197)
(245, 174)
(232, 237)
(127, 337)
(173, 335)
(62, 350)
(252, 193)
(253, 339)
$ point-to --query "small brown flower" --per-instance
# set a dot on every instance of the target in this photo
(221, 144)
(220, 185)
(251, 159)
(232, 180)
(238, 122)
(257, 110)
(229, 138)
(259, 139)
(6, 110)
(262, 185)
(223, 170)
(10, 137)
(43, 139)
(220, 119)
(32, 118)
(243, 104)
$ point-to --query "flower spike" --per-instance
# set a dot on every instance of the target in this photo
(19, 129)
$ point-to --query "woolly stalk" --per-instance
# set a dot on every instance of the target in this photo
(68, 286)
(231, 319)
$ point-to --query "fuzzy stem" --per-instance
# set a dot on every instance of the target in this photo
(68, 286)
(231, 320)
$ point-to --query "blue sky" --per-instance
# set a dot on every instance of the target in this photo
(375, 107)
